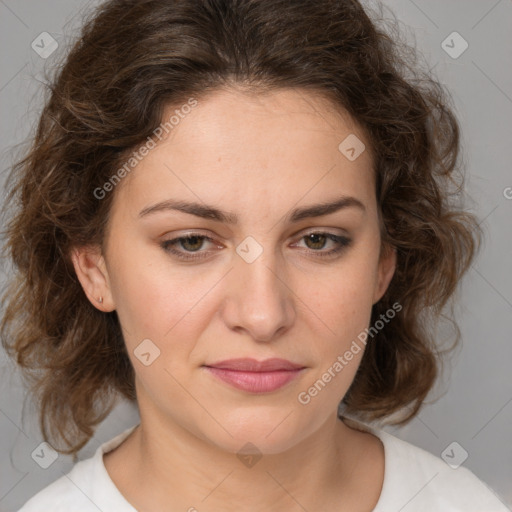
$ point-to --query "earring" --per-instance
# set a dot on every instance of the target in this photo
(100, 300)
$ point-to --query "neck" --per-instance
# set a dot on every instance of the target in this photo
(176, 467)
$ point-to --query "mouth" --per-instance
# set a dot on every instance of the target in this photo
(255, 376)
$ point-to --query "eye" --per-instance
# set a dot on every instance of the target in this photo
(317, 240)
(191, 243)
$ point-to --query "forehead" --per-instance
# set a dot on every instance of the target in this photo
(253, 150)
(226, 117)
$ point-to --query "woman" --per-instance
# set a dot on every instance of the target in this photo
(239, 214)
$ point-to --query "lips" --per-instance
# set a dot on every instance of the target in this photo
(255, 376)
(252, 365)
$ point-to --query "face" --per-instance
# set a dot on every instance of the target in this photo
(250, 272)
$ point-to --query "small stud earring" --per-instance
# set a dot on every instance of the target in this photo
(100, 300)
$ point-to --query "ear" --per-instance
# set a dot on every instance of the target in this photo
(385, 271)
(92, 273)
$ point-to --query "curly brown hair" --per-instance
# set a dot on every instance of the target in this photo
(135, 57)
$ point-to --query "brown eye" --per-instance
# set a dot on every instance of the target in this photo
(317, 240)
(191, 243)
(184, 247)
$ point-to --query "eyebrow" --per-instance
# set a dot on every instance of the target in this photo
(210, 212)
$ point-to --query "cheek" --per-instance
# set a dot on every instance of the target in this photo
(341, 312)
(342, 299)
(167, 304)
(152, 299)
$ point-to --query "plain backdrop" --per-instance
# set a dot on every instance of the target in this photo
(474, 406)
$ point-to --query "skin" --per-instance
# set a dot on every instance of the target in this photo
(258, 157)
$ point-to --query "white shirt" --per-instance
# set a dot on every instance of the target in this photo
(414, 480)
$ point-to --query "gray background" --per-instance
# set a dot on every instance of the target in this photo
(474, 408)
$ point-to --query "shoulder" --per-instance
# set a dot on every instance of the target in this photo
(416, 480)
(86, 488)
(65, 493)
(420, 480)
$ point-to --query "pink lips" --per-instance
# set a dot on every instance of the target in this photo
(256, 376)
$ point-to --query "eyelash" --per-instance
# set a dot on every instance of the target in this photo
(342, 243)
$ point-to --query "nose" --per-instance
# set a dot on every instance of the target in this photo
(259, 301)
